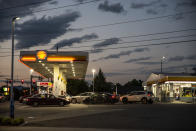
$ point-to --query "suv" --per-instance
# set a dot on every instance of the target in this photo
(138, 96)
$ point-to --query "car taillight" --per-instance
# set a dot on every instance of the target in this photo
(149, 95)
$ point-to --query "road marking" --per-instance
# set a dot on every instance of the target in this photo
(30, 117)
(118, 109)
(65, 109)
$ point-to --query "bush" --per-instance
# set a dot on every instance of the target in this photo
(1, 118)
(9, 121)
(6, 121)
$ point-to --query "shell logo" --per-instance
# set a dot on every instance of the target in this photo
(41, 55)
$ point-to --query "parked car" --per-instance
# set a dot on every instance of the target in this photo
(110, 98)
(138, 96)
(81, 97)
(67, 97)
(21, 98)
(2, 97)
(45, 99)
(95, 98)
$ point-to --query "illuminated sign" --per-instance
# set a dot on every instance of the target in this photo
(60, 59)
(5, 89)
(41, 55)
(28, 58)
(49, 84)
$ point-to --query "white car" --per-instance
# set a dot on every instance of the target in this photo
(81, 97)
(138, 96)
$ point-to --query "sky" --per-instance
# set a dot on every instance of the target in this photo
(125, 38)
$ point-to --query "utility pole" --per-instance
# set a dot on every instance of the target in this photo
(57, 48)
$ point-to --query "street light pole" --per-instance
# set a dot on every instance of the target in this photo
(93, 70)
(162, 63)
(116, 89)
(12, 70)
(31, 77)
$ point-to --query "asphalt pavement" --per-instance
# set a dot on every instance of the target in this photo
(104, 117)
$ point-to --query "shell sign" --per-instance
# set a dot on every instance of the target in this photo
(41, 55)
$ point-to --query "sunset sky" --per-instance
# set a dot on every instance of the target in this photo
(125, 38)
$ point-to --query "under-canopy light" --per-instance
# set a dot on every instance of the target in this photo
(28, 58)
(60, 59)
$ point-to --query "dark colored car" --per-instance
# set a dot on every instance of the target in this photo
(2, 97)
(110, 98)
(95, 98)
(21, 98)
(45, 99)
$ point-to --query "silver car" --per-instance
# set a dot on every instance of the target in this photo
(81, 97)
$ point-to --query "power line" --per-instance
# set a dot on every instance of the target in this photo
(172, 37)
(139, 20)
(22, 5)
(44, 10)
(158, 33)
(130, 36)
(153, 44)
(165, 43)
(142, 40)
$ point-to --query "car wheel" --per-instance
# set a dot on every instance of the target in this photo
(35, 104)
(74, 101)
(144, 101)
(61, 103)
(86, 101)
(150, 101)
(125, 100)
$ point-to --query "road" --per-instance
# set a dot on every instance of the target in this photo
(105, 117)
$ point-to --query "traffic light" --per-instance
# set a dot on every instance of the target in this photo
(33, 81)
(22, 81)
(10, 81)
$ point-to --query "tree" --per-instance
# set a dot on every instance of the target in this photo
(194, 69)
(100, 82)
(134, 85)
(75, 86)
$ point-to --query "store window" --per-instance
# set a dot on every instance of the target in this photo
(187, 92)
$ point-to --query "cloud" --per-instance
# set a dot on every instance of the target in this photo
(96, 51)
(186, 3)
(135, 5)
(151, 11)
(41, 31)
(148, 63)
(178, 67)
(122, 53)
(114, 8)
(53, 2)
(181, 58)
(110, 74)
(153, 7)
(176, 58)
(141, 49)
(191, 57)
(10, 8)
(70, 42)
(108, 42)
(137, 59)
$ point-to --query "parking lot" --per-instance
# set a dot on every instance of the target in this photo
(99, 116)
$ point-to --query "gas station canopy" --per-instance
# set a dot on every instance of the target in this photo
(72, 65)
